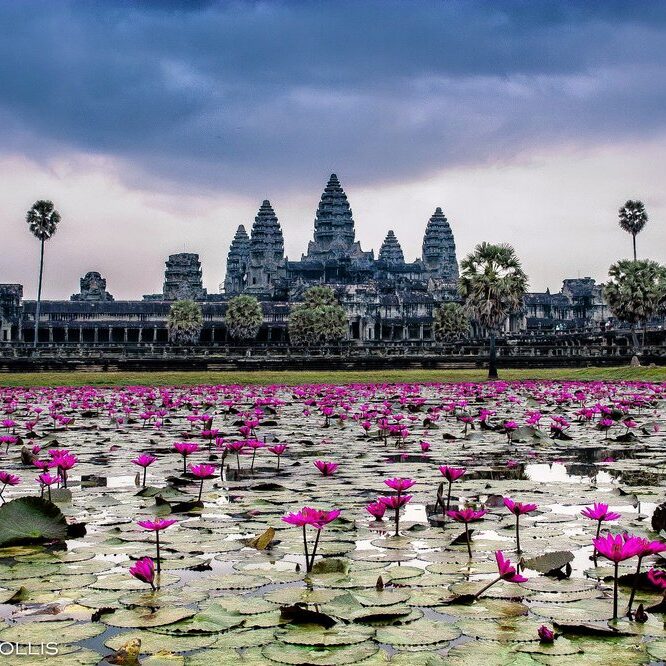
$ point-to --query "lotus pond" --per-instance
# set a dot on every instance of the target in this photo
(410, 500)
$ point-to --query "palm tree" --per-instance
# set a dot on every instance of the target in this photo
(493, 285)
(243, 317)
(185, 321)
(43, 220)
(451, 321)
(633, 218)
(636, 292)
(318, 319)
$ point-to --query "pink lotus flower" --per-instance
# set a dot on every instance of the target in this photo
(203, 472)
(144, 460)
(618, 548)
(46, 481)
(185, 449)
(376, 509)
(600, 512)
(425, 446)
(278, 450)
(396, 502)
(8, 479)
(518, 509)
(545, 634)
(658, 578)
(467, 516)
(506, 571)
(326, 468)
(452, 473)
(317, 518)
(400, 485)
(156, 526)
(144, 570)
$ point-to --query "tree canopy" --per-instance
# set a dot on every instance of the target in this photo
(318, 319)
(185, 322)
(243, 317)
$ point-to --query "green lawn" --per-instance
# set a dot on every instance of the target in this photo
(317, 377)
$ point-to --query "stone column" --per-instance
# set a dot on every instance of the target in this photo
(96, 334)
(125, 335)
(140, 334)
(66, 333)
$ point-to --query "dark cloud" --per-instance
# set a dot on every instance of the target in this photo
(251, 96)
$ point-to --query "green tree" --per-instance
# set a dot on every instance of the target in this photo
(451, 321)
(493, 285)
(185, 322)
(318, 319)
(43, 220)
(636, 292)
(243, 317)
(633, 217)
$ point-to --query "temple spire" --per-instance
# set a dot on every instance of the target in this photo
(237, 262)
(439, 248)
(390, 251)
(266, 249)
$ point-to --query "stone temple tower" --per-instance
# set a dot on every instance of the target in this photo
(182, 278)
(238, 261)
(390, 251)
(266, 250)
(439, 248)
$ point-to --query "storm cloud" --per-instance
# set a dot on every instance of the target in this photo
(244, 95)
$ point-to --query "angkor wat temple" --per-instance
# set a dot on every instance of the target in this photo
(386, 297)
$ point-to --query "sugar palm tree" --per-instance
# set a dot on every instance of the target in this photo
(636, 292)
(633, 218)
(493, 285)
(184, 322)
(243, 318)
(319, 319)
(43, 220)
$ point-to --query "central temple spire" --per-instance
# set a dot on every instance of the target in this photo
(334, 224)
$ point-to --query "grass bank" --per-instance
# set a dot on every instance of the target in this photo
(319, 377)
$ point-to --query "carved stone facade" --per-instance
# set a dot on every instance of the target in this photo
(182, 279)
(93, 288)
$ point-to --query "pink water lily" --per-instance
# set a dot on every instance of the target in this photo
(203, 472)
(518, 509)
(8, 479)
(278, 450)
(545, 634)
(647, 548)
(376, 509)
(156, 526)
(399, 484)
(144, 460)
(618, 548)
(185, 449)
(46, 480)
(326, 468)
(144, 570)
(316, 518)
(451, 474)
(506, 571)
(467, 516)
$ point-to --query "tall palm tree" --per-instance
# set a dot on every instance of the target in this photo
(493, 285)
(184, 322)
(243, 318)
(43, 220)
(633, 218)
(636, 292)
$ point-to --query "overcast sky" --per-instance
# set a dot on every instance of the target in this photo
(158, 127)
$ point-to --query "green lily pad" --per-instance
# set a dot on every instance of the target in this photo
(421, 632)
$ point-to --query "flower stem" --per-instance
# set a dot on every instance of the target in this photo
(633, 587)
(483, 589)
(518, 534)
(200, 491)
(469, 545)
(314, 549)
(157, 542)
(615, 593)
(305, 548)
